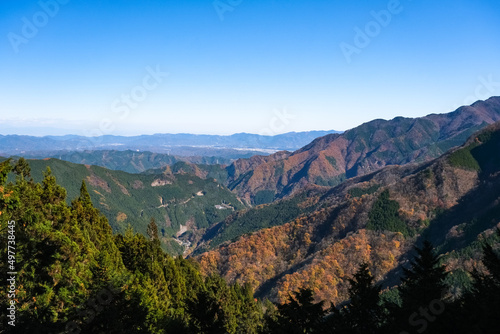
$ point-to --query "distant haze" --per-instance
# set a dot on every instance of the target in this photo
(240, 144)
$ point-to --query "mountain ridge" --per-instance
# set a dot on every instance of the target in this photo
(330, 159)
(376, 218)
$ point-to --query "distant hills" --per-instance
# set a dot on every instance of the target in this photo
(323, 163)
(233, 146)
(294, 219)
(331, 159)
(309, 218)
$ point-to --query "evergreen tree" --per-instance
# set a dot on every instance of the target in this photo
(5, 168)
(491, 261)
(480, 307)
(7, 201)
(384, 215)
(84, 197)
(422, 291)
(299, 315)
(363, 313)
(52, 192)
(207, 313)
(153, 230)
(22, 168)
(424, 280)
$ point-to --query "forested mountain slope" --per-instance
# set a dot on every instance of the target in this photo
(376, 218)
(70, 274)
(130, 161)
(181, 200)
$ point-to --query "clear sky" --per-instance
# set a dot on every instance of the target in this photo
(100, 67)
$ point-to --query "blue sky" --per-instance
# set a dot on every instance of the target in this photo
(239, 66)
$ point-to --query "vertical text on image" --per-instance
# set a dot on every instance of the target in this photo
(11, 273)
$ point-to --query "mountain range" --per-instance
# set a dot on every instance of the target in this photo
(318, 238)
(261, 178)
(308, 218)
(176, 144)
(329, 160)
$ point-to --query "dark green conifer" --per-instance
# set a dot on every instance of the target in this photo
(422, 294)
(84, 197)
(363, 313)
(153, 230)
(480, 307)
(22, 168)
(299, 315)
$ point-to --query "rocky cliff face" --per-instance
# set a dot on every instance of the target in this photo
(329, 160)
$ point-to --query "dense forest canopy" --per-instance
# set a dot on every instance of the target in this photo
(74, 276)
